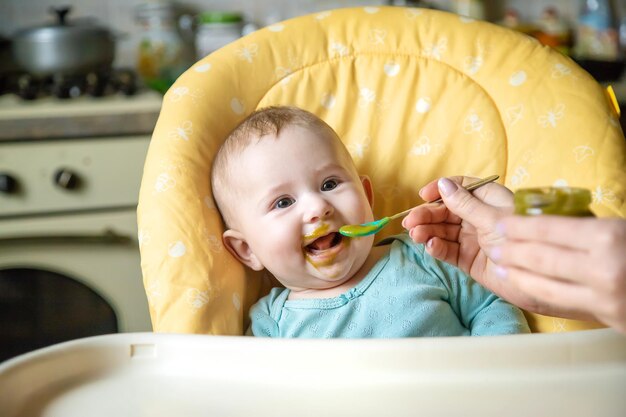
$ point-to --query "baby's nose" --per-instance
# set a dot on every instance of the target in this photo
(318, 208)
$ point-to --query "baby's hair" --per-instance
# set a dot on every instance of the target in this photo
(263, 122)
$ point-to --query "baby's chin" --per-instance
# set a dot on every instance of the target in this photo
(322, 279)
(334, 275)
(321, 274)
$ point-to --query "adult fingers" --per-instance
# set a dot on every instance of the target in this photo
(423, 233)
(572, 232)
(546, 259)
(430, 191)
(462, 203)
(553, 297)
(443, 250)
(429, 214)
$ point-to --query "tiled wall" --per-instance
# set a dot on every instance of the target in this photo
(118, 14)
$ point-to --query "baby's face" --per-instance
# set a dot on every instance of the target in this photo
(295, 192)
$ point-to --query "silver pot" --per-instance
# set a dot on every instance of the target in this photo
(64, 47)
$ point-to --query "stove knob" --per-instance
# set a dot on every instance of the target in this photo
(125, 81)
(27, 87)
(8, 184)
(96, 84)
(66, 179)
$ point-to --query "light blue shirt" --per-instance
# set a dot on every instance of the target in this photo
(407, 293)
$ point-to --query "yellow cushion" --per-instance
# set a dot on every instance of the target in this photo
(415, 94)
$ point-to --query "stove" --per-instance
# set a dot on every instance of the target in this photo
(49, 117)
(68, 86)
(70, 170)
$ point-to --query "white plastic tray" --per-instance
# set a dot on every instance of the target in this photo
(140, 374)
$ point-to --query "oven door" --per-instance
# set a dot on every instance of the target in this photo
(69, 276)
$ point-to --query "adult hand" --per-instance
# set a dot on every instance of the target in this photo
(573, 267)
(559, 266)
(462, 231)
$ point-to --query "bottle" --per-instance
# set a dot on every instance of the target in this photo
(513, 20)
(162, 55)
(474, 9)
(563, 201)
(217, 29)
(597, 36)
(621, 11)
(552, 30)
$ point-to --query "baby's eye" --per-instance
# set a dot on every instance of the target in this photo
(329, 185)
(284, 202)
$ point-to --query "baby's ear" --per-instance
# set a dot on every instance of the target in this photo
(369, 189)
(239, 248)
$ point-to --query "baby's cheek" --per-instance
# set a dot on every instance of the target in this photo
(365, 205)
(362, 245)
(359, 212)
(283, 242)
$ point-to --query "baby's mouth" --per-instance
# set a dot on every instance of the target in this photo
(324, 243)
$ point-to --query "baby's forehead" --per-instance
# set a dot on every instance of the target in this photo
(291, 142)
(289, 135)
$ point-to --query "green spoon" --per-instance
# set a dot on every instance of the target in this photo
(366, 229)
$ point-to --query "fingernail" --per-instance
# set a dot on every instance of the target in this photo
(501, 272)
(430, 243)
(495, 254)
(446, 187)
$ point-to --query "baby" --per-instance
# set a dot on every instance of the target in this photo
(284, 184)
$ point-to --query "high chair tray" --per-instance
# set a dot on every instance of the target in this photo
(142, 374)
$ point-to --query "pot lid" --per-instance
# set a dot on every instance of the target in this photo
(61, 29)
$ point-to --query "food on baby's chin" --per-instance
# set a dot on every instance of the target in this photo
(323, 250)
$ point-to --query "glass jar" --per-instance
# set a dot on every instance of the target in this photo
(217, 29)
(563, 201)
(474, 9)
(162, 54)
(553, 30)
(597, 33)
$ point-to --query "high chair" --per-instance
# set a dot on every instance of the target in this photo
(415, 95)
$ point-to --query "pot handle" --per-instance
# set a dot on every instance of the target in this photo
(61, 13)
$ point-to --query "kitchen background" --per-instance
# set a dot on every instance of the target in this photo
(73, 143)
(196, 27)
(120, 15)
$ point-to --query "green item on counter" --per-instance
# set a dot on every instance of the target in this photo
(219, 17)
(563, 201)
(159, 85)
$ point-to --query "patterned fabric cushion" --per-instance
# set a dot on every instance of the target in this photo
(415, 94)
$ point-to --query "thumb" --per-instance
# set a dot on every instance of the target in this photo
(462, 203)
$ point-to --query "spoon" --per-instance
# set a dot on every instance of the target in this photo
(366, 229)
